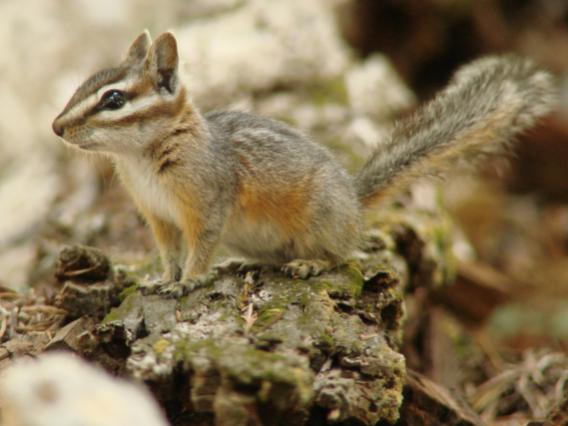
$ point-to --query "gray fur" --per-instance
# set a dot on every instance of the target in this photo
(498, 96)
(284, 156)
(138, 50)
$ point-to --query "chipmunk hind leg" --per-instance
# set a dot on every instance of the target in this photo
(314, 215)
(333, 236)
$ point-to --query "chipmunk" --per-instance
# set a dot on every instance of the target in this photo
(261, 187)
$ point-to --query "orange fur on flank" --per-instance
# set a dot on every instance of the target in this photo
(286, 206)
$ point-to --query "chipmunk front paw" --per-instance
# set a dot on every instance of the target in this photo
(304, 269)
(161, 286)
(171, 289)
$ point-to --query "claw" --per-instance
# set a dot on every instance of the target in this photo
(152, 286)
(173, 289)
(304, 269)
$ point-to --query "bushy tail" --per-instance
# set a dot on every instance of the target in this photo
(485, 105)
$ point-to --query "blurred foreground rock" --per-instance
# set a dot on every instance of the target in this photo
(60, 389)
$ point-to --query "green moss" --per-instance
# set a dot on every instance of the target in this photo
(442, 236)
(121, 312)
(185, 350)
(244, 365)
(355, 285)
(331, 91)
(266, 317)
(128, 291)
(161, 345)
(111, 316)
(326, 342)
(284, 295)
(253, 367)
(337, 286)
(344, 152)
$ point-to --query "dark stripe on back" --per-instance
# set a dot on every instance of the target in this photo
(168, 163)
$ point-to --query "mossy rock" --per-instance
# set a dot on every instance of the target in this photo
(265, 349)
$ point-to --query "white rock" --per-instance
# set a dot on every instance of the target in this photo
(260, 46)
(375, 89)
(60, 389)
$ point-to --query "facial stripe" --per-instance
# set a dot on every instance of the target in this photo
(89, 102)
(140, 87)
(93, 84)
(145, 108)
(78, 112)
(142, 103)
(134, 88)
(133, 106)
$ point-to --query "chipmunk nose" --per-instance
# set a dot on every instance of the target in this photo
(58, 129)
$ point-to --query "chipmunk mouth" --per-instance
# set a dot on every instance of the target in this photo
(87, 146)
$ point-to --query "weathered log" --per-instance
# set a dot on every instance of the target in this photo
(261, 348)
(258, 347)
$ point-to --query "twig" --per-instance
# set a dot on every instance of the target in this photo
(3, 326)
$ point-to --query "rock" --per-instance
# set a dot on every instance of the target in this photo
(375, 89)
(260, 348)
(60, 389)
(82, 264)
(77, 336)
(256, 348)
(89, 287)
(258, 47)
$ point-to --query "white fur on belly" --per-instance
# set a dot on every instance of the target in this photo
(147, 188)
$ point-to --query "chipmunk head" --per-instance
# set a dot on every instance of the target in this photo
(118, 110)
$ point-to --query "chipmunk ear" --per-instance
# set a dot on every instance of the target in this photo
(162, 62)
(138, 49)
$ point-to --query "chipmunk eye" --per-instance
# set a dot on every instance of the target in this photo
(113, 99)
